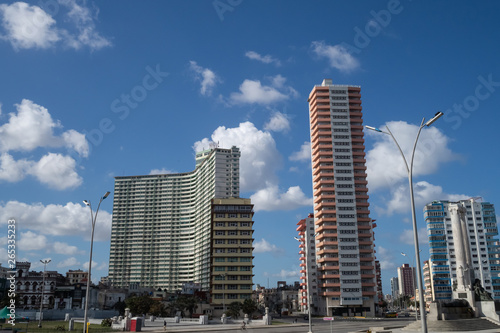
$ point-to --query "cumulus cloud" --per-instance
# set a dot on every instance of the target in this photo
(263, 246)
(278, 123)
(423, 193)
(267, 59)
(206, 76)
(337, 55)
(57, 220)
(284, 274)
(68, 262)
(30, 27)
(270, 199)
(27, 26)
(304, 154)
(259, 162)
(384, 159)
(32, 127)
(254, 92)
(259, 157)
(30, 241)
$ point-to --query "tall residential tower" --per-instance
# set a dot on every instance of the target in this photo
(344, 241)
(161, 225)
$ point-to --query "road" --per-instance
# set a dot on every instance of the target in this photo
(319, 326)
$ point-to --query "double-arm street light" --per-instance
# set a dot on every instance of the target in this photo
(93, 218)
(409, 170)
(44, 262)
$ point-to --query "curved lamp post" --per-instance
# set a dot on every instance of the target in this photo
(93, 218)
(409, 169)
(44, 262)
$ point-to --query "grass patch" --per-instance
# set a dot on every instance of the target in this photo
(55, 326)
(275, 322)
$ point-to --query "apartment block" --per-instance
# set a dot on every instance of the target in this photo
(161, 226)
(481, 246)
(407, 280)
(344, 241)
(232, 251)
(308, 267)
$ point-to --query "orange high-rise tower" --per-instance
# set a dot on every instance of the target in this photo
(343, 227)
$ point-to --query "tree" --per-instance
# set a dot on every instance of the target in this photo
(233, 309)
(248, 307)
(139, 304)
(188, 303)
(158, 309)
(120, 307)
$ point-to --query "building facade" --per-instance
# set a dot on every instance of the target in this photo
(394, 288)
(406, 280)
(344, 241)
(232, 251)
(308, 267)
(482, 248)
(161, 225)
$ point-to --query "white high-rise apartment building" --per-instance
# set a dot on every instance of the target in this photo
(161, 226)
(308, 267)
(481, 246)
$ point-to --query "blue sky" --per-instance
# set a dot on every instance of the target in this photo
(94, 90)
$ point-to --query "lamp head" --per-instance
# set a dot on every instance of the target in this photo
(373, 128)
(86, 202)
(433, 119)
(297, 239)
(106, 195)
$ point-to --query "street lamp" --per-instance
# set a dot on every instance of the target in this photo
(93, 218)
(307, 280)
(44, 262)
(409, 169)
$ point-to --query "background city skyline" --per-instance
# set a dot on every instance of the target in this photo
(150, 84)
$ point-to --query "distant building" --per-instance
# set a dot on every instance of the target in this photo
(308, 266)
(76, 276)
(406, 280)
(429, 292)
(482, 246)
(394, 287)
(29, 286)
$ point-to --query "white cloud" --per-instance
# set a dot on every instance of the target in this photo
(64, 248)
(284, 274)
(423, 193)
(259, 157)
(407, 236)
(29, 26)
(86, 34)
(33, 127)
(267, 59)
(206, 76)
(161, 171)
(56, 171)
(270, 199)
(259, 162)
(386, 164)
(253, 92)
(58, 220)
(12, 170)
(68, 262)
(338, 56)
(278, 123)
(30, 241)
(263, 246)
(304, 154)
